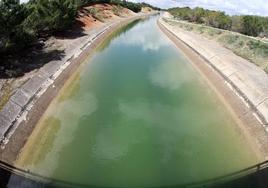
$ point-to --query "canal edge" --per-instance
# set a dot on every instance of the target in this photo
(27, 105)
(250, 112)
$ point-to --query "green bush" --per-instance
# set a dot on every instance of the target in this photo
(117, 10)
(252, 25)
(260, 47)
(92, 11)
(249, 25)
(13, 34)
(95, 14)
(51, 15)
(135, 7)
(22, 23)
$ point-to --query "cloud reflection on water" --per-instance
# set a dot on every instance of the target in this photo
(170, 74)
(69, 112)
(144, 37)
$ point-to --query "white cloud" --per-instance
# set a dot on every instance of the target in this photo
(24, 1)
(258, 7)
(165, 75)
(255, 7)
(148, 40)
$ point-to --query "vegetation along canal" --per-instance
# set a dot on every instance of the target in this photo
(137, 114)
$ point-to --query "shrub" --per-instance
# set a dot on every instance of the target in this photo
(13, 34)
(22, 24)
(252, 25)
(249, 25)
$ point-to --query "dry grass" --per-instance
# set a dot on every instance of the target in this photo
(5, 95)
(250, 48)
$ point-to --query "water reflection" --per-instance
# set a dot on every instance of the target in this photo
(117, 33)
(55, 134)
(140, 118)
(144, 37)
(166, 74)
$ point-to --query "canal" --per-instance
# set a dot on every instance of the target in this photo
(136, 114)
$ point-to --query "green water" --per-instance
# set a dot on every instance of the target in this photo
(138, 115)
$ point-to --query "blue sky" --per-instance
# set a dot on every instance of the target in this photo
(256, 7)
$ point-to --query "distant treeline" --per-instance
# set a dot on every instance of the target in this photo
(21, 24)
(245, 24)
(135, 7)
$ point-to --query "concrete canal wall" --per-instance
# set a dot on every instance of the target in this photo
(19, 105)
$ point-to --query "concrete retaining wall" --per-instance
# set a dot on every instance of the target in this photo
(246, 79)
(17, 108)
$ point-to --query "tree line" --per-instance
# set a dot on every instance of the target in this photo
(245, 24)
(21, 24)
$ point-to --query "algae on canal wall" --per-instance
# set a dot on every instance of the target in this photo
(138, 115)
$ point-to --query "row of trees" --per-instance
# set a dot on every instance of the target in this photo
(254, 25)
(135, 7)
(151, 6)
(249, 25)
(22, 23)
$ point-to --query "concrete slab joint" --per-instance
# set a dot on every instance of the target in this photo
(237, 71)
(25, 97)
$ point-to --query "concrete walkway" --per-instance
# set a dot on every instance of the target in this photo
(246, 79)
(17, 108)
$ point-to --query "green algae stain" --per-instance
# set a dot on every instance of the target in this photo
(115, 34)
(72, 86)
(45, 140)
(137, 115)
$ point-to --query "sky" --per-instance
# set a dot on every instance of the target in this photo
(232, 7)
(251, 7)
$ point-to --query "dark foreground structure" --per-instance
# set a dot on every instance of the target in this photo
(253, 177)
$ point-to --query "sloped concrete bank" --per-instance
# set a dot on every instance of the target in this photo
(20, 115)
(240, 83)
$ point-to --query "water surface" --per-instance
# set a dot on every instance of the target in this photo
(137, 114)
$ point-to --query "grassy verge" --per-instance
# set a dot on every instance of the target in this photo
(252, 49)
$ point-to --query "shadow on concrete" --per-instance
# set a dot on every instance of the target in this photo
(15, 63)
(76, 31)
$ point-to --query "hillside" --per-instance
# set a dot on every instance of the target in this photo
(17, 67)
(97, 14)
